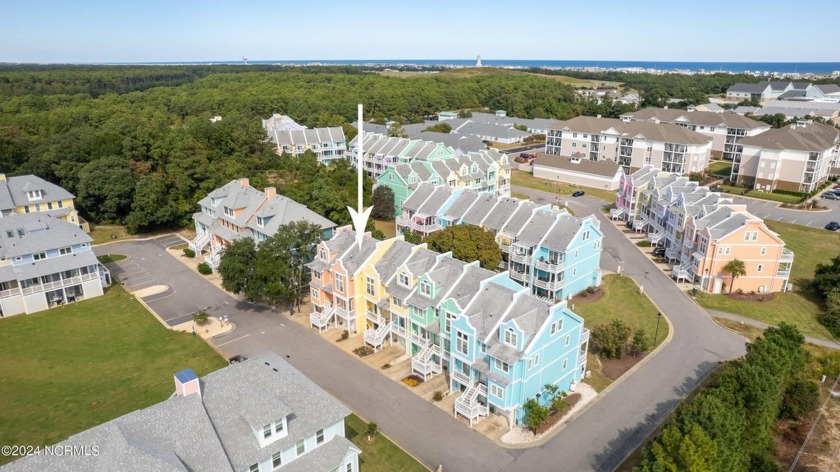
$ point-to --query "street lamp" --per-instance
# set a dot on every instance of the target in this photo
(656, 333)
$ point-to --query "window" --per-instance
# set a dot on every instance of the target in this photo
(49, 205)
(565, 363)
(750, 235)
(425, 288)
(759, 268)
(65, 250)
(556, 327)
(339, 282)
(497, 391)
(535, 361)
(39, 256)
(229, 212)
(300, 447)
(316, 274)
(314, 293)
(348, 467)
(712, 129)
(60, 204)
(461, 342)
(33, 194)
(447, 324)
(510, 337)
(403, 280)
(568, 339)
(397, 301)
(322, 254)
(260, 221)
(267, 431)
(26, 209)
(319, 436)
(500, 365)
(276, 460)
(369, 288)
(763, 251)
(254, 468)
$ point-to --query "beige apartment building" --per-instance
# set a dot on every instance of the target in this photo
(631, 144)
(797, 158)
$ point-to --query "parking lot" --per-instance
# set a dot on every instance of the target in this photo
(148, 264)
(772, 211)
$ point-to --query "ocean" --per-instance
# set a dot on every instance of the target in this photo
(751, 67)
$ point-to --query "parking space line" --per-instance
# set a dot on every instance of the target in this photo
(150, 299)
(233, 340)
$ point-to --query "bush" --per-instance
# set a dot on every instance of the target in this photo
(641, 343)
(610, 339)
(643, 243)
(200, 318)
(412, 380)
(386, 366)
(345, 334)
(535, 414)
(204, 269)
(372, 429)
(801, 397)
(189, 252)
(438, 396)
(445, 128)
(363, 351)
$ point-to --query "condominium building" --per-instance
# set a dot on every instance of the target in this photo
(501, 344)
(631, 144)
(32, 194)
(45, 262)
(256, 416)
(485, 171)
(238, 210)
(702, 231)
(383, 152)
(328, 144)
(796, 158)
(793, 91)
(726, 128)
(548, 250)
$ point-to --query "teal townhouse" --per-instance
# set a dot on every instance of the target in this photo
(555, 254)
(500, 344)
(483, 171)
(384, 152)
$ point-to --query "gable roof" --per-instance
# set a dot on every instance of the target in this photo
(13, 191)
(813, 137)
(704, 118)
(27, 233)
(651, 131)
(603, 168)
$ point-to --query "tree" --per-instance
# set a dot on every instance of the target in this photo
(640, 342)
(535, 414)
(464, 114)
(383, 203)
(106, 189)
(520, 127)
(827, 277)
(396, 131)
(678, 451)
(801, 397)
(443, 127)
(151, 206)
(412, 237)
(236, 267)
(610, 339)
(468, 243)
(736, 269)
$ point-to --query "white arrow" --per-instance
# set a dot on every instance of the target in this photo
(360, 216)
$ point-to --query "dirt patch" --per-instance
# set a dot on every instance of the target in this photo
(584, 297)
(615, 368)
(555, 417)
(751, 297)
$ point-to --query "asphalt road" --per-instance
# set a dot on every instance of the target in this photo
(772, 211)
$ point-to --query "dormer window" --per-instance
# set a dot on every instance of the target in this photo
(38, 256)
(229, 212)
(267, 431)
(260, 221)
(510, 337)
(322, 254)
(403, 280)
(33, 195)
(502, 366)
(425, 288)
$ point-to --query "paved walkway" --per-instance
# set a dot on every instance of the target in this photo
(762, 325)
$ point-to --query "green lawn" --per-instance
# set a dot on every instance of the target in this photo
(774, 197)
(800, 307)
(720, 168)
(67, 369)
(379, 455)
(107, 258)
(524, 179)
(622, 300)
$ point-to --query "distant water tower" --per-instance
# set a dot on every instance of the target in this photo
(478, 61)
(245, 58)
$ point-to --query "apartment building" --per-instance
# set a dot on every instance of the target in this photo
(485, 171)
(796, 158)
(548, 250)
(631, 144)
(46, 262)
(383, 152)
(725, 128)
(794, 91)
(32, 194)
(328, 144)
(257, 416)
(504, 343)
(702, 231)
(238, 210)
(578, 170)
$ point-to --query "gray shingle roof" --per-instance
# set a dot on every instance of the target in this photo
(393, 258)
(488, 307)
(650, 131)
(280, 210)
(562, 233)
(604, 168)
(327, 457)
(13, 191)
(501, 213)
(748, 88)
(467, 287)
(814, 137)
(482, 206)
(536, 228)
(416, 199)
(39, 233)
(460, 206)
(353, 258)
(438, 197)
(705, 118)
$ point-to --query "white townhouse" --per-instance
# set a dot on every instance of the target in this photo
(329, 144)
(46, 262)
(256, 416)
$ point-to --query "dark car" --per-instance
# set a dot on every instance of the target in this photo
(831, 196)
(237, 359)
(578, 193)
(629, 224)
(832, 226)
(659, 251)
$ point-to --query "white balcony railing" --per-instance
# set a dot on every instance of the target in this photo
(584, 336)
(398, 330)
(520, 276)
(504, 247)
(376, 337)
(787, 255)
(58, 284)
(581, 360)
(548, 284)
(12, 292)
(375, 318)
(321, 319)
(461, 377)
(418, 339)
(521, 258)
(550, 266)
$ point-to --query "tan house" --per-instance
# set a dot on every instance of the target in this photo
(32, 194)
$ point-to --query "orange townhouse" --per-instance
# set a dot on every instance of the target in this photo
(729, 233)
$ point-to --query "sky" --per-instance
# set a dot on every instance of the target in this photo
(46, 31)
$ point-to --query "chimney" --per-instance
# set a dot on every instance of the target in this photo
(269, 192)
(186, 383)
(244, 182)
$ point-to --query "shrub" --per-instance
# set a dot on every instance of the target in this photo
(412, 380)
(386, 366)
(641, 343)
(643, 243)
(363, 351)
(200, 318)
(438, 396)
(610, 339)
(204, 269)
(535, 414)
(800, 397)
(189, 252)
(345, 334)
(372, 429)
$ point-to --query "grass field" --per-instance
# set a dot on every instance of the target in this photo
(106, 233)
(386, 226)
(720, 168)
(70, 368)
(622, 300)
(379, 455)
(108, 258)
(773, 197)
(524, 179)
(801, 307)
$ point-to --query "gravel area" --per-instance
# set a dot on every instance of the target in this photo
(520, 435)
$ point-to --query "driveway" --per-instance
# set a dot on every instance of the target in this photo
(599, 439)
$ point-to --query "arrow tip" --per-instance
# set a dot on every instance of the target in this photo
(360, 223)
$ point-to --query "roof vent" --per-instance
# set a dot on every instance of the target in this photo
(186, 383)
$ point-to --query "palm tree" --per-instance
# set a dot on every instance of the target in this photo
(736, 269)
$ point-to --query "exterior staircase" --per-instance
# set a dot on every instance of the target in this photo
(200, 242)
(376, 337)
(422, 363)
(640, 224)
(468, 406)
(214, 257)
(682, 272)
(321, 319)
(654, 238)
(616, 213)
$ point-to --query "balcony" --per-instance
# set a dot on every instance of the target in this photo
(375, 318)
(550, 266)
(12, 292)
(398, 330)
(783, 273)
(344, 313)
(417, 339)
(402, 221)
(58, 284)
(521, 258)
(551, 285)
(581, 360)
(787, 255)
(461, 377)
(584, 336)
(520, 276)
(505, 248)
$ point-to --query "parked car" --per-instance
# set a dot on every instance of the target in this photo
(578, 193)
(629, 224)
(528, 155)
(835, 191)
(237, 359)
(831, 196)
(659, 252)
(715, 188)
(832, 226)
